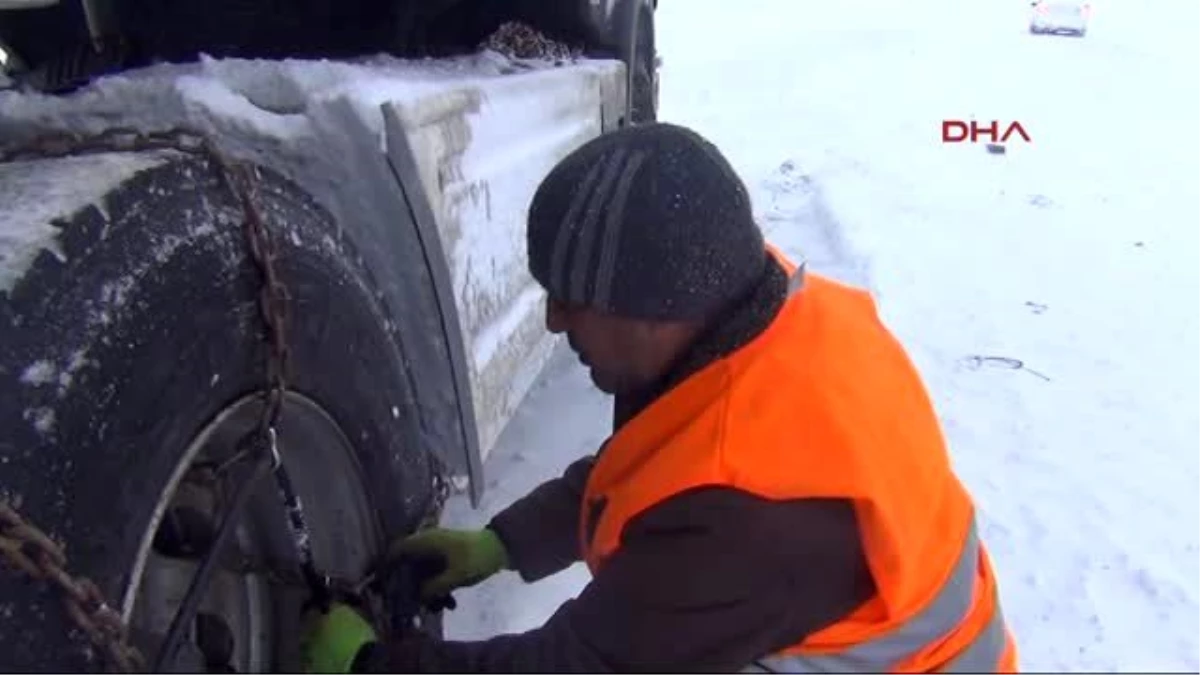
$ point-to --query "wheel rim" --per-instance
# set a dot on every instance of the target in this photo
(249, 617)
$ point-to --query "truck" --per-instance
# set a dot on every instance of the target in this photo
(264, 301)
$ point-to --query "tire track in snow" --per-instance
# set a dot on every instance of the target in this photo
(795, 218)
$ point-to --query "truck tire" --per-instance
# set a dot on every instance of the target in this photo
(130, 339)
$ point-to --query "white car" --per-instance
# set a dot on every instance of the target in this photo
(1069, 17)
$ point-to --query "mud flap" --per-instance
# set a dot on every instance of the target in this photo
(404, 167)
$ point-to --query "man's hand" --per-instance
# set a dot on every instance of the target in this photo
(459, 557)
(330, 641)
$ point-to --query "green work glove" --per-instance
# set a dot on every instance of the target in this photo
(456, 558)
(330, 641)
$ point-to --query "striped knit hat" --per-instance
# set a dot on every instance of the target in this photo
(648, 222)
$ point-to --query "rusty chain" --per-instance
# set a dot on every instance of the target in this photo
(27, 548)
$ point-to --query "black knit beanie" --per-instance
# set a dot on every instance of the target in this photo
(648, 222)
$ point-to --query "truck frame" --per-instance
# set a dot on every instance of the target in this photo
(264, 300)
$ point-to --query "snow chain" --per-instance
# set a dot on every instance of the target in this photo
(27, 548)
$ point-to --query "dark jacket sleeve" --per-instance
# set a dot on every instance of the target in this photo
(540, 531)
(710, 580)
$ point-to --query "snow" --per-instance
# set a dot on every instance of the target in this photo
(1049, 295)
(39, 373)
(270, 98)
(34, 200)
(43, 372)
(42, 419)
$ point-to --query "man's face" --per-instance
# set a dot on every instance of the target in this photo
(623, 355)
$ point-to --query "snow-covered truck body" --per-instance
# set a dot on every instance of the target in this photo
(142, 324)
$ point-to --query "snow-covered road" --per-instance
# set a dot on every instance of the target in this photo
(1075, 255)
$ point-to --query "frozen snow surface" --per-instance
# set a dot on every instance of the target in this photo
(1050, 296)
(270, 97)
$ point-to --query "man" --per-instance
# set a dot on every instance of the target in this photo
(776, 494)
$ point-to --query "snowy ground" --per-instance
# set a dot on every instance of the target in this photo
(1076, 254)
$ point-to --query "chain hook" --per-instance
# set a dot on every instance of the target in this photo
(273, 447)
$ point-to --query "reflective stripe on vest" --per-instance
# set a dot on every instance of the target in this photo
(943, 614)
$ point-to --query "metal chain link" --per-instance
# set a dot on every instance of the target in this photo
(27, 548)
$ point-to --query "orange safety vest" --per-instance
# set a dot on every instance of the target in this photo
(826, 404)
